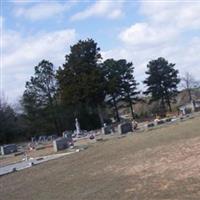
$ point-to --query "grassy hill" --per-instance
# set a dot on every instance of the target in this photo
(154, 165)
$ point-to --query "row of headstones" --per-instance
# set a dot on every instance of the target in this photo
(123, 128)
(58, 144)
(63, 143)
(43, 139)
(127, 127)
(167, 120)
(158, 122)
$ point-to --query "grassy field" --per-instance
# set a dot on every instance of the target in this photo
(154, 165)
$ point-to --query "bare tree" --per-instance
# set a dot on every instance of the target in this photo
(189, 83)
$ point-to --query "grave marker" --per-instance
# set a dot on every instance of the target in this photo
(60, 144)
(8, 149)
(106, 130)
(125, 128)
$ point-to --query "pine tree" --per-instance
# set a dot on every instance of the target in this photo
(162, 82)
(128, 85)
(81, 80)
(39, 98)
(112, 74)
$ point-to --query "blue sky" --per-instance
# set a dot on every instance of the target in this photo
(135, 30)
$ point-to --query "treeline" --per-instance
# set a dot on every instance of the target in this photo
(12, 125)
(86, 87)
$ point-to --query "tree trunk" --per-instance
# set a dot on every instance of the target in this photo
(169, 105)
(100, 115)
(54, 115)
(116, 110)
(189, 94)
(168, 100)
(131, 106)
(57, 127)
(163, 109)
(57, 113)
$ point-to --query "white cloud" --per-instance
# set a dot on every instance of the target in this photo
(115, 14)
(43, 10)
(101, 8)
(165, 22)
(22, 1)
(181, 14)
(1, 22)
(19, 59)
(147, 34)
(167, 30)
(185, 56)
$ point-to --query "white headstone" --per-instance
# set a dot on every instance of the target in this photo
(78, 130)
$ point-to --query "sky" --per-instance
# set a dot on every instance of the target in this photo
(139, 31)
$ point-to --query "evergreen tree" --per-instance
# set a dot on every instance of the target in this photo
(112, 74)
(11, 128)
(162, 82)
(7, 123)
(81, 81)
(128, 84)
(39, 100)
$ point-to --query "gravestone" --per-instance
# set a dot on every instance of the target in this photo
(150, 125)
(125, 128)
(160, 122)
(8, 149)
(106, 130)
(60, 144)
(168, 120)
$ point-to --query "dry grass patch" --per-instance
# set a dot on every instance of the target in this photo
(159, 164)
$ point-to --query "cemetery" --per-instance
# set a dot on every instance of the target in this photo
(53, 147)
(100, 100)
(119, 172)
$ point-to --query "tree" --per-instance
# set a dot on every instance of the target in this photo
(112, 74)
(81, 80)
(161, 82)
(128, 84)
(39, 99)
(189, 83)
(8, 123)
